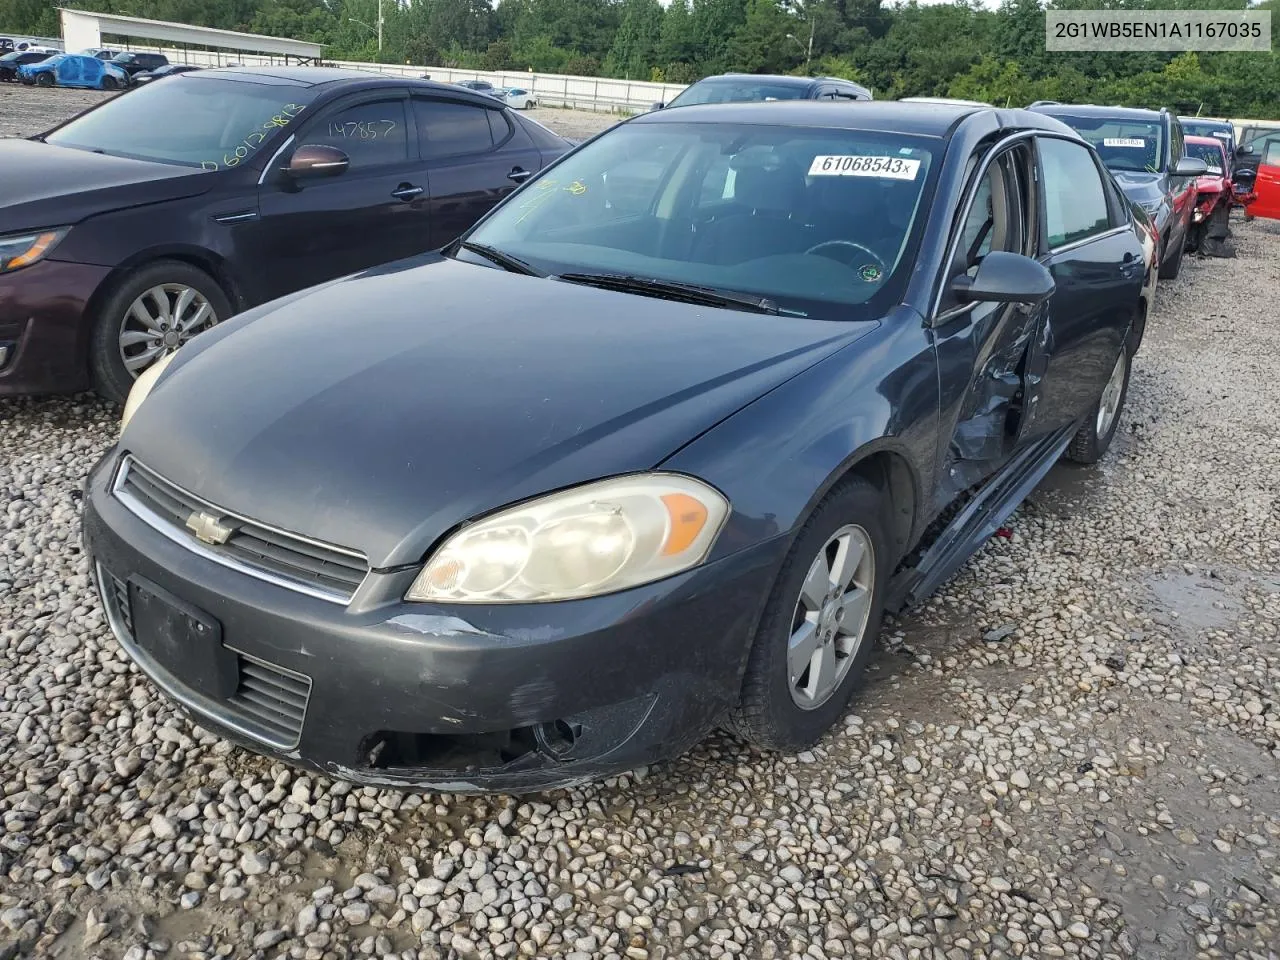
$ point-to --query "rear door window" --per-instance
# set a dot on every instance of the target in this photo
(449, 129)
(1075, 202)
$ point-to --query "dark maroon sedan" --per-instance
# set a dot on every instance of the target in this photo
(155, 215)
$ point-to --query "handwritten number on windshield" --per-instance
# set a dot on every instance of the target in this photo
(237, 154)
(362, 129)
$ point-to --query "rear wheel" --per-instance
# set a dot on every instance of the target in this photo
(152, 312)
(1094, 437)
(44, 79)
(820, 623)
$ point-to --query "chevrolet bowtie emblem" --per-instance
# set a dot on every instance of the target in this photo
(208, 529)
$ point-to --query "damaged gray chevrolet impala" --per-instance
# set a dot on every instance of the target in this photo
(650, 449)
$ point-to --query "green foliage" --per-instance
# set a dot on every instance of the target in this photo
(958, 48)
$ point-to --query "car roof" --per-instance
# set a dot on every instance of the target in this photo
(920, 119)
(318, 76)
(783, 79)
(1095, 110)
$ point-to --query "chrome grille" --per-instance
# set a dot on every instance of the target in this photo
(271, 701)
(309, 566)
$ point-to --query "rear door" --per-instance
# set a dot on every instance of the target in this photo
(1267, 185)
(313, 230)
(1097, 264)
(474, 154)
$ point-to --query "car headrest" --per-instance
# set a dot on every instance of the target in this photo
(769, 184)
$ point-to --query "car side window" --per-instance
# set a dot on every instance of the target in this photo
(370, 134)
(1271, 157)
(1075, 204)
(993, 221)
(447, 129)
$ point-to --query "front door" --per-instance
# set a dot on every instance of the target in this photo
(988, 353)
(312, 230)
(1267, 185)
(476, 157)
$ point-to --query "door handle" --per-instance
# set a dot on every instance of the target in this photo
(519, 175)
(407, 191)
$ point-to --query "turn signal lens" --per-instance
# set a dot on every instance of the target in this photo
(594, 539)
(22, 250)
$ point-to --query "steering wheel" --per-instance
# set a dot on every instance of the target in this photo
(821, 249)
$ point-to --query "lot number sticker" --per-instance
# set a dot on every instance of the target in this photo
(892, 168)
(1123, 142)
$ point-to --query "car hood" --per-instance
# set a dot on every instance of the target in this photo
(380, 411)
(1142, 187)
(1210, 183)
(43, 185)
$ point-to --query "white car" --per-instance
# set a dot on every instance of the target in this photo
(518, 98)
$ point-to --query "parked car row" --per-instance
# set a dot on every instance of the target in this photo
(97, 68)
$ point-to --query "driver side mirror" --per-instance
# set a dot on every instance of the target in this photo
(1245, 151)
(1005, 278)
(1191, 167)
(317, 160)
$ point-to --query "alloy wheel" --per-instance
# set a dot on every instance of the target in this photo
(1109, 403)
(161, 320)
(830, 621)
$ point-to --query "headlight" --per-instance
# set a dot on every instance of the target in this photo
(593, 539)
(142, 388)
(23, 249)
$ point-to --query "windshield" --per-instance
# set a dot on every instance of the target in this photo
(1131, 146)
(1208, 128)
(823, 222)
(195, 121)
(738, 91)
(1210, 153)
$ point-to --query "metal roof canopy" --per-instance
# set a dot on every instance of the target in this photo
(82, 29)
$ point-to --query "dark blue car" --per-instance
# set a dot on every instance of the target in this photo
(652, 448)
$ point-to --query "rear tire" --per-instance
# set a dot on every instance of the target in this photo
(770, 713)
(1094, 437)
(44, 80)
(1169, 269)
(111, 377)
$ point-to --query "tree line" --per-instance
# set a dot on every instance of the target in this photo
(957, 49)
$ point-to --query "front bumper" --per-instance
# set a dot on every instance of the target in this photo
(458, 699)
(45, 325)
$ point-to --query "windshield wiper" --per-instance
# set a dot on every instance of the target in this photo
(505, 260)
(671, 290)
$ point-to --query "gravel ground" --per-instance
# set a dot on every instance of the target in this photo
(1072, 750)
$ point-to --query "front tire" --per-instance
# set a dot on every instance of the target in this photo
(110, 83)
(1094, 437)
(820, 624)
(151, 312)
(44, 80)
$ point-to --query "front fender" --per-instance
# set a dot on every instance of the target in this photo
(777, 457)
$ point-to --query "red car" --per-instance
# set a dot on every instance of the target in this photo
(1213, 191)
(1262, 154)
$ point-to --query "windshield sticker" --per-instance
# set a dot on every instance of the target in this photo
(892, 168)
(870, 273)
(1213, 168)
(1124, 142)
(236, 155)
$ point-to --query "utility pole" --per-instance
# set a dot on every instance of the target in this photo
(809, 54)
(380, 28)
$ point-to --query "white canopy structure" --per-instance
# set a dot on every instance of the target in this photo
(83, 29)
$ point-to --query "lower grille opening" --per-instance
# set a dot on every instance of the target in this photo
(464, 752)
(271, 699)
